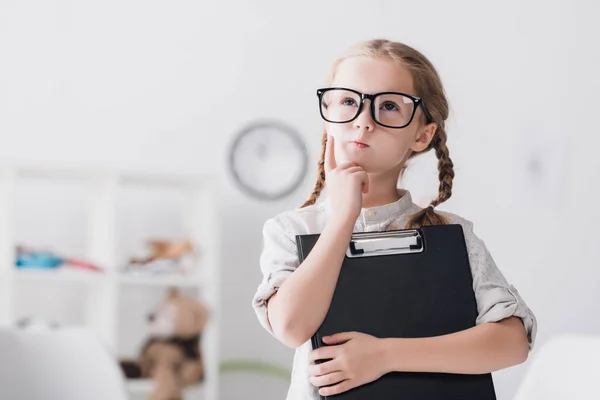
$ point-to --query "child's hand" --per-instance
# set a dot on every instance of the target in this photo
(345, 183)
(356, 359)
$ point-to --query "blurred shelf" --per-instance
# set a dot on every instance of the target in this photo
(164, 180)
(93, 277)
(141, 178)
(145, 386)
(58, 173)
(161, 280)
(198, 210)
(59, 275)
(140, 385)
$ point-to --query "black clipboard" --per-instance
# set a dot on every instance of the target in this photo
(405, 283)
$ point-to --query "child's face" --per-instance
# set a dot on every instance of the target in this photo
(386, 148)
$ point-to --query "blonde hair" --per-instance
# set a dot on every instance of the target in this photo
(429, 87)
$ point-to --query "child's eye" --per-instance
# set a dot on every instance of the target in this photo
(348, 101)
(389, 106)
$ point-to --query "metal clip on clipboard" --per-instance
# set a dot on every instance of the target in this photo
(384, 243)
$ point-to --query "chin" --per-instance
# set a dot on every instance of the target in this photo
(362, 160)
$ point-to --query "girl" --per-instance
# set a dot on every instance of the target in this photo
(383, 105)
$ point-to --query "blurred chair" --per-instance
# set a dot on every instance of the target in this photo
(67, 363)
(566, 367)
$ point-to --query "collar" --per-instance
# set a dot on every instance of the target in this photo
(384, 212)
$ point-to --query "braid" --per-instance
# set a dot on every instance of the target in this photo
(320, 175)
(445, 167)
(428, 216)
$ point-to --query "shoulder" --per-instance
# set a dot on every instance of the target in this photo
(298, 221)
(473, 241)
(456, 219)
(453, 218)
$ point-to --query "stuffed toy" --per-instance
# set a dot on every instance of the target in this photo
(171, 355)
(165, 257)
(161, 249)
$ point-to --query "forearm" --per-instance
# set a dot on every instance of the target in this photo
(301, 303)
(478, 350)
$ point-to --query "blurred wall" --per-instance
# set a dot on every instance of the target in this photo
(165, 86)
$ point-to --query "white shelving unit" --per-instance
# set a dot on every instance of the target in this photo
(103, 291)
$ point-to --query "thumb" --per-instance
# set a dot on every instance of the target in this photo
(339, 337)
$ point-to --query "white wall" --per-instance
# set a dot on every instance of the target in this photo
(166, 85)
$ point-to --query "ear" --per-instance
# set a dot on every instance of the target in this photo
(424, 137)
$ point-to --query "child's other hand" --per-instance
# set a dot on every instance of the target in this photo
(345, 183)
(356, 359)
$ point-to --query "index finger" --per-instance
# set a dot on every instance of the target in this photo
(330, 163)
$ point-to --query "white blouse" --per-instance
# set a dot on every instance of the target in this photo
(496, 298)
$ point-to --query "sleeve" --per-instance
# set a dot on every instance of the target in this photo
(496, 298)
(279, 258)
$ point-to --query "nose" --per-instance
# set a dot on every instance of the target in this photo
(364, 121)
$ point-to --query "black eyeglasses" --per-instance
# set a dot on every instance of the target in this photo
(390, 109)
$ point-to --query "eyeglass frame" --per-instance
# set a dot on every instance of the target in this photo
(417, 101)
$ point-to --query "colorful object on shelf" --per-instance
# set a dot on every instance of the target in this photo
(44, 259)
(38, 259)
(171, 355)
(81, 264)
(164, 257)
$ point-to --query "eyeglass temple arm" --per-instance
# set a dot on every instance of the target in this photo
(425, 111)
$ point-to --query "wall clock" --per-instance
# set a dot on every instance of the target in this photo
(268, 160)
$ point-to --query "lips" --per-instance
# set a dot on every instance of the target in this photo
(359, 144)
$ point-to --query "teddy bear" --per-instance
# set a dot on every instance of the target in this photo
(171, 355)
